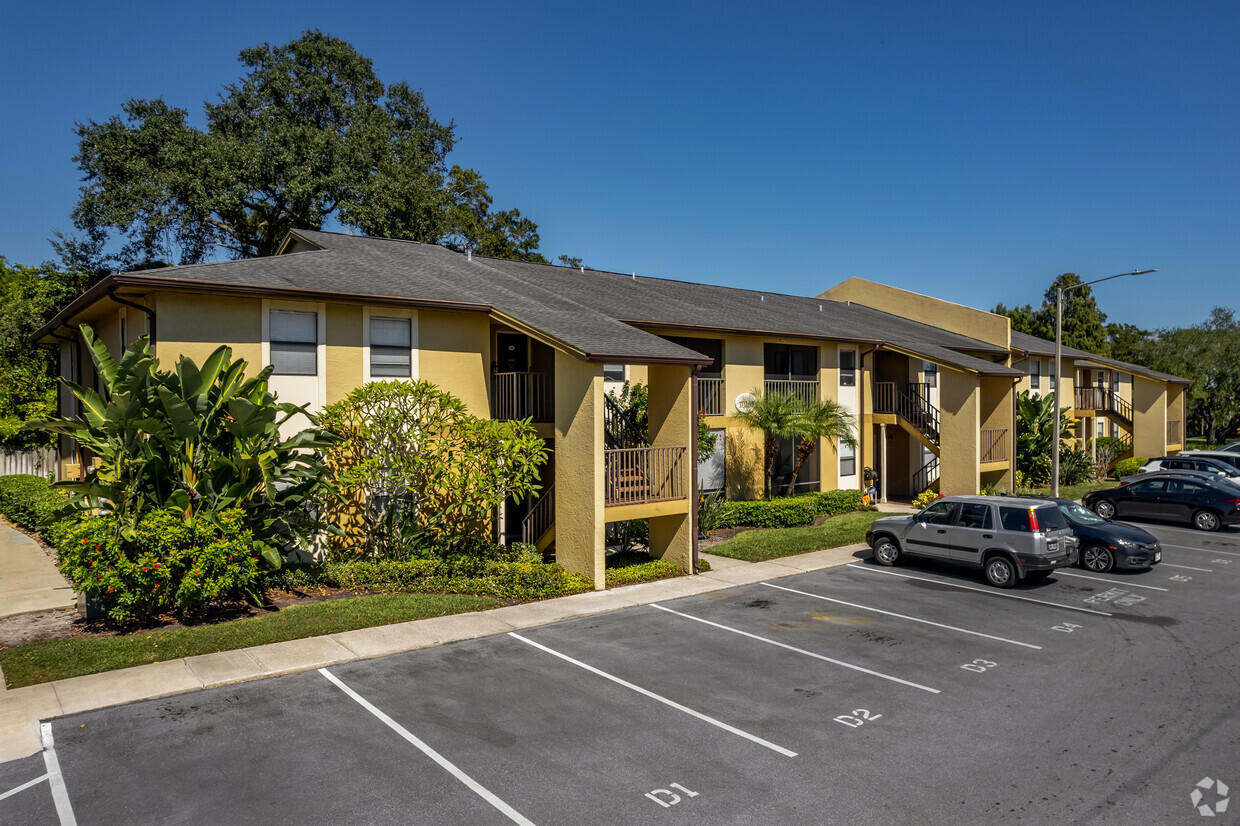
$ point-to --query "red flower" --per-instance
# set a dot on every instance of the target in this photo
(109, 590)
(96, 547)
(157, 566)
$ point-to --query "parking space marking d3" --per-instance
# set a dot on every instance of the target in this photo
(476, 787)
(903, 616)
(992, 592)
(648, 693)
(800, 650)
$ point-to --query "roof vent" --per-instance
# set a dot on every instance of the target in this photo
(764, 298)
(469, 254)
(820, 308)
(583, 267)
(849, 303)
(634, 276)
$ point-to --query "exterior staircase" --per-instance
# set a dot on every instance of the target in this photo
(912, 409)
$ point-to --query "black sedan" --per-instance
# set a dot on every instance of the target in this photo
(1105, 545)
(1206, 504)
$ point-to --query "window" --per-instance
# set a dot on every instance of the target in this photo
(391, 345)
(711, 347)
(848, 460)
(848, 368)
(1015, 519)
(1035, 375)
(975, 515)
(613, 372)
(294, 343)
(1184, 487)
(940, 513)
(931, 372)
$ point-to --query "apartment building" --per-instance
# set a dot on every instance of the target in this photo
(932, 385)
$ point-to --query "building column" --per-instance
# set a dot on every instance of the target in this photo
(959, 432)
(579, 501)
(673, 423)
(882, 479)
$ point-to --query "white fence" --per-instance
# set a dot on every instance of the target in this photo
(36, 461)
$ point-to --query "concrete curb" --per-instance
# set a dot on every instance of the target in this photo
(22, 709)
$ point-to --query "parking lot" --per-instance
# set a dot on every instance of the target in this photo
(858, 694)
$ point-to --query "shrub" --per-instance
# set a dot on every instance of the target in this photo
(30, 501)
(925, 498)
(1076, 467)
(457, 575)
(1129, 466)
(631, 568)
(710, 510)
(789, 512)
(169, 564)
(835, 502)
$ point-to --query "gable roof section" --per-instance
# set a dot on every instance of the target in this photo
(596, 314)
(1041, 347)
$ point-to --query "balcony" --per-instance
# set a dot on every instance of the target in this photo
(995, 446)
(804, 389)
(1173, 433)
(710, 396)
(522, 396)
(1100, 398)
(640, 475)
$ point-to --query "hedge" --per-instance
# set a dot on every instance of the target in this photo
(1129, 466)
(789, 512)
(30, 501)
(459, 575)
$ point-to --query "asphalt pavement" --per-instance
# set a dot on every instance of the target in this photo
(857, 694)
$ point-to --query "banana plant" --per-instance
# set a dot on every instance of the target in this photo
(200, 440)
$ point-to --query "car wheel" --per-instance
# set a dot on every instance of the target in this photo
(887, 552)
(1098, 559)
(1001, 572)
(1104, 509)
(1037, 576)
(1204, 520)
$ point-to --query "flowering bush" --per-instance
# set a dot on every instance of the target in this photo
(169, 564)
(926, 497)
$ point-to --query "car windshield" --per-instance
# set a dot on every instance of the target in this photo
(1078, 515)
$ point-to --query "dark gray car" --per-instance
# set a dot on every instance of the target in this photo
(1010, 538)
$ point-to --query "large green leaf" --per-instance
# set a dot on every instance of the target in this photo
(184, 423)
(104, 365)
(92, 405)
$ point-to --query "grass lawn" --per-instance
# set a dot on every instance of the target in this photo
(1075, 492)
(771, 543)
(40, 662)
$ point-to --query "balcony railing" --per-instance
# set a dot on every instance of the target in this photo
(637, 475)
(540, 517)
(913, 405)
(804, 389)
(1100, 398)
(1173, 433)
(995, 446)
(710, 396)
(522, 396)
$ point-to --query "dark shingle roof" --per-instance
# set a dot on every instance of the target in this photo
(1041, 347)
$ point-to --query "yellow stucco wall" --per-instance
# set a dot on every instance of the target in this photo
(959, 426)
(579, 501)
(998, 404)
(454, 353)
(673, 424)
(344, 350)
(194, 324)
(978, 324)
(1149, 418)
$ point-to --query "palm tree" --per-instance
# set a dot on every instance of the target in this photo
(818, 419)
(776, 415)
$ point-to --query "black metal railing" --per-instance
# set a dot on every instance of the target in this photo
(913, 405)
(1102, 398)
(925, 475)
(619, 429)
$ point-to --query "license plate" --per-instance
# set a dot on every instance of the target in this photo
(1158, 556)
(1052, 545)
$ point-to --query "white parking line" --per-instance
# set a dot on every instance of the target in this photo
(477, 788)
(903, 616)
(1200, 550)
(798, 650)
(993, 593)
(24, 786)
(60, 794)
(1112, 581)
(1185, 567)
(647, 693)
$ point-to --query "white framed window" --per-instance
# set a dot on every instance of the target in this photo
(389, 343)
(613, 372)
(294, 338)
(931, 372)
(1035, 375)
(848, 368)
(848, 460)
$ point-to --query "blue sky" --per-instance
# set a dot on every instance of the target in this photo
(970, 151)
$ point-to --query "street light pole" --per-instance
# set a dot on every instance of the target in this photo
(1059, 365)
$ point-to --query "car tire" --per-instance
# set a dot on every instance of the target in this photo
(1098, 559)
(1206, 520)
(1037, 576)
(1104, 509)
(1001, 572)
(887, 552)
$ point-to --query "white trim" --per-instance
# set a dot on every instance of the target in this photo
(410, 313)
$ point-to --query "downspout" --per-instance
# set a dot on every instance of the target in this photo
(150, 314)
(862, 425)
(693, 512)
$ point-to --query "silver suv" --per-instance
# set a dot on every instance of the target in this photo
(1010, 538)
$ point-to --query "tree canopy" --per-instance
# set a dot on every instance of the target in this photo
(1084, 324)
(308, 135)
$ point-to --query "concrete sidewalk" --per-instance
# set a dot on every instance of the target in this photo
(29, 579)
(21, 709)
